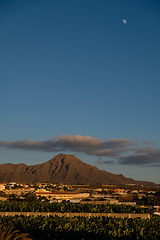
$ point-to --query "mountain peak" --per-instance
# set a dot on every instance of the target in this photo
(63, 168)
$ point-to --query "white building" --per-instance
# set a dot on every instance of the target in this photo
(2, 186)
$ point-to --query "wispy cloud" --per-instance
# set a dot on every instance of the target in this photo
(148, 158)
(78, 143)
(125, 151)
(105, 162)
(148, 142)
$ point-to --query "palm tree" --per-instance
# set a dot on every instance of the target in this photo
(8, 233)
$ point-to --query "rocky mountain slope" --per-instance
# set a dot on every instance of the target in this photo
(63, 168)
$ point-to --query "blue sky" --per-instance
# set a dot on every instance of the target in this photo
(76, 79)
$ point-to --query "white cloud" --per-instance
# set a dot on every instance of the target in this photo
(126, 151)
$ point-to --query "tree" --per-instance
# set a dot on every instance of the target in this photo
(31, 196)
(2, 194)
(8, 233)
(158, 194)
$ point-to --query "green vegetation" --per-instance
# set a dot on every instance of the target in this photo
(86, 228)
(31, 196)
(37, 206)
(9, 233)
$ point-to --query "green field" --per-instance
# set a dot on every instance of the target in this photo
(37, 206)
(79, 228)
(85, 228)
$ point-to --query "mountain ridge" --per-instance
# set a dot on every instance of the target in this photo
(64, 169)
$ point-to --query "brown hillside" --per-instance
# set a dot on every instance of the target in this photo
(63, 168)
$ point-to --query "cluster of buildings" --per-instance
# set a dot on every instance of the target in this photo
(78, 193)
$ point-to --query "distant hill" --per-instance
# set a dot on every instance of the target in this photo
(65, 169)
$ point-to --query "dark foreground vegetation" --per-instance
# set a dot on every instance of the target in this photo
(38, 206)
(85, 228)
(8, 232)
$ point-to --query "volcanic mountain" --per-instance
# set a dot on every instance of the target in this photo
(65, 169)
